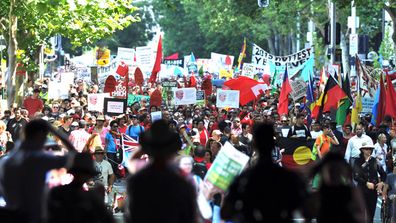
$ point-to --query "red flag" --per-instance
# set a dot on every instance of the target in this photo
(284, 95)
(156, 98)
(157, 65)
(174, 56)
(122, 69)
(207, 86)
(249, 89)
(390, 105)
(110, 84)
(381, 102)
(139, 77)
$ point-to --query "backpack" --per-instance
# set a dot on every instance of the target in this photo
(199, 169)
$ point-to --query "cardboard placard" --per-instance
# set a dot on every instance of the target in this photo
(114, 106)
(227, 98)
(96, 101)
(185, 96)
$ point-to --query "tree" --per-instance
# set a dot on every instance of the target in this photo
(29, 24)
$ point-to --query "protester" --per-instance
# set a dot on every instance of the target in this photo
(370, 178)
(72, 203)
(355, 143)
(158, 193)
(33, 103)
(245, 203)
(15, 125)
(23, 173)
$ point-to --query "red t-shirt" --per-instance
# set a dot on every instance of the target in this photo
(33, 105)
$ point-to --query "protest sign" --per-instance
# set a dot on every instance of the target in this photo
(67, 79)
(227, 98)
(144, 58)
(126, 55)
(261, 57)
(299, 89)
(248, 70)
(132, 98)
(57, 90)
(169, 84)
(185, 96)
(200, 97)
(114, 106)
(367, 105)
(156, 116)
(177, 62)
(222, 61)
(228, 164)
(96, 101)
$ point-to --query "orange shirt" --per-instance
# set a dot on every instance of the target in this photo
(323, 144)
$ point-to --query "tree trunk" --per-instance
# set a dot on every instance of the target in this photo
(12, 47)
(392, 14)
(271, 44)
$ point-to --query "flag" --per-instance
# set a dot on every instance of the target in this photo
(273, 82)
(128, 145)
(174, 56)
(309, 100)
(122, 69)
(356, 109)
(242, 54)
(284, 95)
(157, 64)
(332, 94)
(390, 106)
(298, 152)
(379, 103)
(249, 89)
(345, 103)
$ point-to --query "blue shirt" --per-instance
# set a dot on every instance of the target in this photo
(110, 143)
(134, 131)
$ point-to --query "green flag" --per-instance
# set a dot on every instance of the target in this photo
(200, 71)
(343, 110)
(273, 82)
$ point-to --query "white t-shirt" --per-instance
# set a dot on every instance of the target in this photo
(380, 154)
(104, 171)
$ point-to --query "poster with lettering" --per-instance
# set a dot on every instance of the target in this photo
(367, 105)
(227, 98)
(126, 55)
(145, 58)
(222, 61)
(228, 164)
(114, 106)
(299, 89)
(96, 101)
(261, 57)
(248, 70)
(185, 96)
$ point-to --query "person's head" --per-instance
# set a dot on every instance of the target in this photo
(74, 126)
(159, 141)
(382, 138)
(347, 129)
(300, 119)
(99, 154)
(359, 130)
(215, 147)
(100, 120)
(17, 113)
(186, 164)
(166, 115)
(263, 139)
(284, 120)
(114, 125)
(366, 149)
(200, 124)
(326, 129)
(2, 126)
(7, 114)
(36, 93)
(236, 122)
(83, 168)
(316, 126)
(37, 131)
(208, 156)
(234, 139)
(67, 120)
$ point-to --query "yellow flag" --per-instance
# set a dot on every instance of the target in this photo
(357, 108)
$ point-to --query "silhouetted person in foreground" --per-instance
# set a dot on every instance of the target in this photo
(23, 173)
(158, 192)
(338, 200)
(72, 203)
(266, 192)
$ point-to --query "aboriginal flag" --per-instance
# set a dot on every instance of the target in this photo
(298, 152)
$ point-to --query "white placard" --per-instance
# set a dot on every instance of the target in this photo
(248, 70)
(353, 44)
(115, 107)
(299, 89)
(144, 58)
(220, 61)
(227, 98)
(367, 105)
(96, 101)
(57, 90)
(67, 78)
(126, 55)
(156, 116)
(185, 96)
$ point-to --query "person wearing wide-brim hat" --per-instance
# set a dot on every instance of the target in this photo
(159, 191)
(73, 196)
(369, 176)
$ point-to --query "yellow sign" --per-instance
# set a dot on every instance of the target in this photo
(102, 56)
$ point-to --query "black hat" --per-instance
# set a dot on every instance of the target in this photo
(83, 164)
(159, 140)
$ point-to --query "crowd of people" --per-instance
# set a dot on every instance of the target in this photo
(166, 176)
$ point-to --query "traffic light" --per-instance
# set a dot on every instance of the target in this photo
(327, 32)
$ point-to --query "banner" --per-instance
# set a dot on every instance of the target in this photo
(228, 164)
(261, 57)
(227, 98)
(367, 105)
(96, 101)
(132, 98)
(185, 96)
(126, 55)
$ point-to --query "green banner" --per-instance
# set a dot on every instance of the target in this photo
(132, 98)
